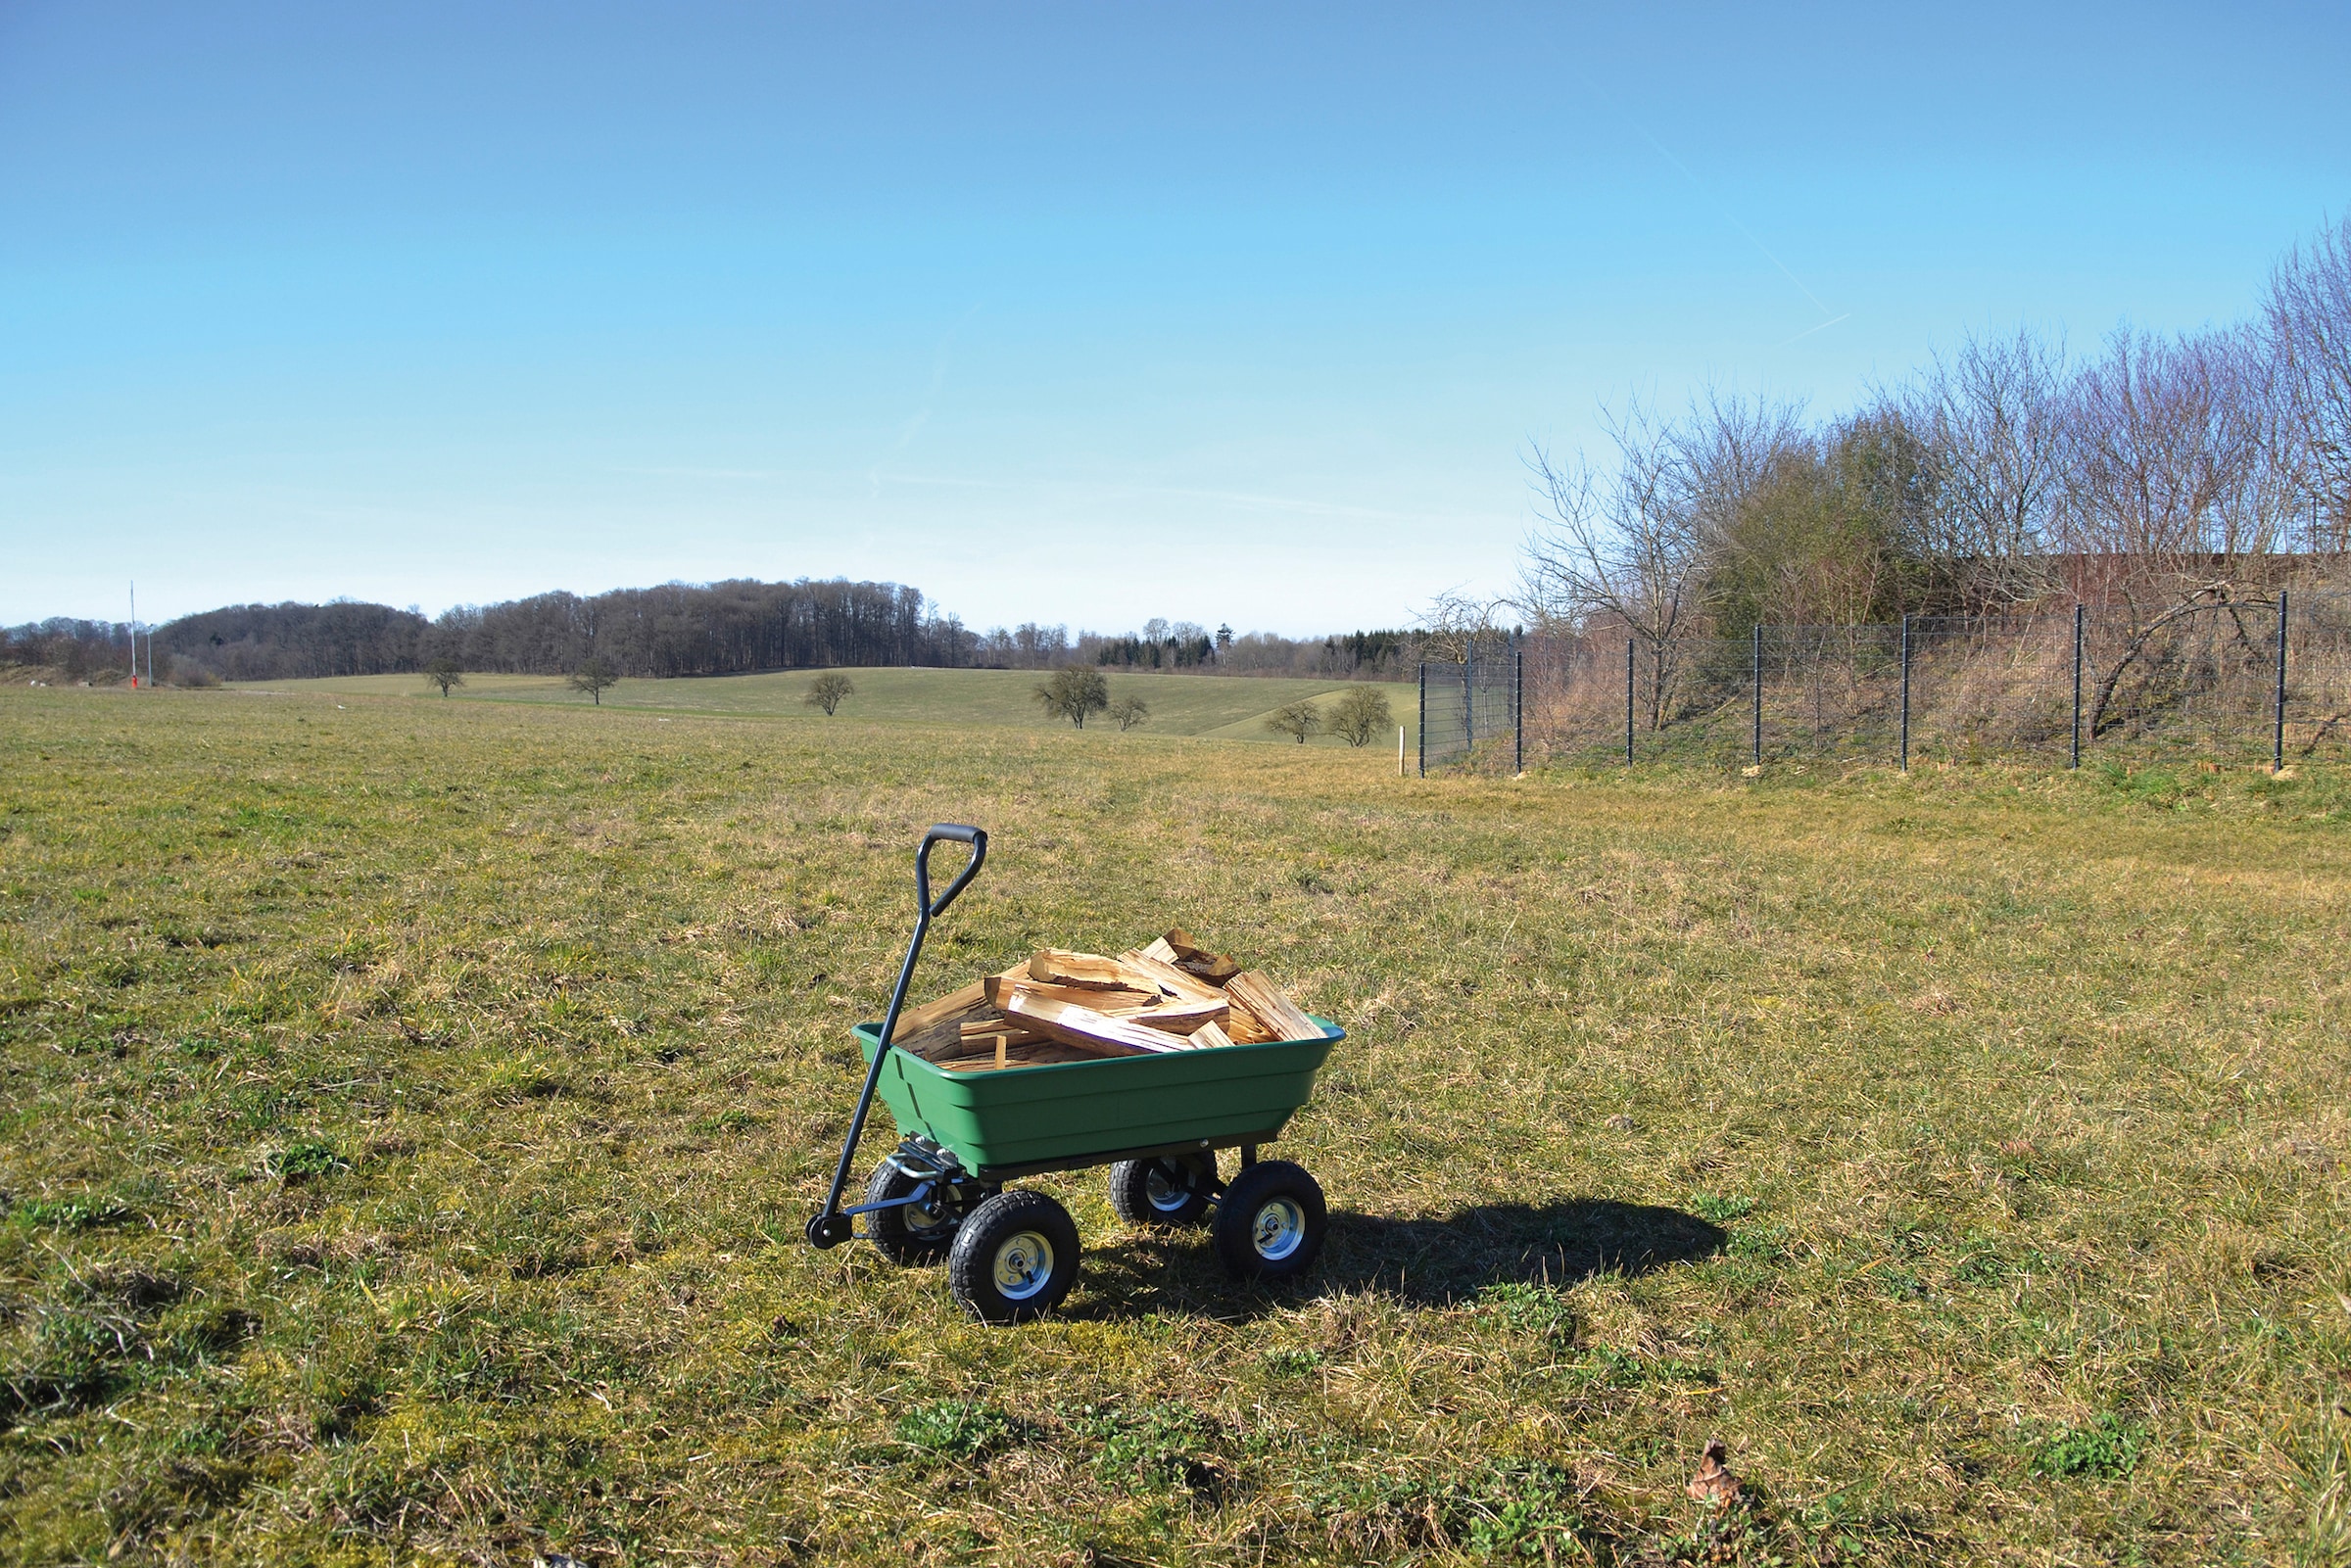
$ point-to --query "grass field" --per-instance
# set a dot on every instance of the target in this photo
(412, 1109)
(1227, 707)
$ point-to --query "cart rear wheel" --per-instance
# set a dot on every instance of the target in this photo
(1169, 1190)
(1271, 1221)
(1013, 1258)
(911, 1234)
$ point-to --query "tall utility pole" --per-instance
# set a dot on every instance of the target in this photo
(134, 636)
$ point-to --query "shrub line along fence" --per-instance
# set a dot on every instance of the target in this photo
(2246, 681)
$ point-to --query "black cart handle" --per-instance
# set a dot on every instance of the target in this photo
(949, 832)
(830, 1227)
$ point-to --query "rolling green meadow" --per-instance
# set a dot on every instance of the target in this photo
(1180, 704)
(410, 1108)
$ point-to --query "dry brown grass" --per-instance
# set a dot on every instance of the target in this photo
(412, 1109)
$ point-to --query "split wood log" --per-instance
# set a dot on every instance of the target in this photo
(1159, 949)
(1181, 1017)
(989, 1031)
(1277, 1012)
(957, 1004)
(942, 1034)
(1084, 1027)
(1208, 1036)
(1033, 1054)
(1087, 971)
(999, 987)
(1141, 967)
(1193, 959)
(1245, 1028)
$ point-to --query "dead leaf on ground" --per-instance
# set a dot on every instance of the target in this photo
(1713, 1481)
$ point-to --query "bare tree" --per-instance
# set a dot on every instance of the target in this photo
(1297, 719)
(1994, 418)
(445, 671)
(829, 691)
(1623, 550)
(2309, 320)
(1725, 450)
(1128, 711)
(2173, 498)
(1361, 715)
(1073, 693)
(1634, 550)
(592, 677)
(1453, 622)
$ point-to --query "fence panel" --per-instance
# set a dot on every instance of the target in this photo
(1991, 686)
(2318, 677)
(2201, 681)
(2201, 684)
(1470, 711)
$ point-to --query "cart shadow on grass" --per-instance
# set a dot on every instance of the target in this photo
(1433, 1262)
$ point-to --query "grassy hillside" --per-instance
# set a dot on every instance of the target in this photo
(1229, 707)
(412, 1109)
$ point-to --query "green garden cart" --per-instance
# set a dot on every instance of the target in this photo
(1158, 1121)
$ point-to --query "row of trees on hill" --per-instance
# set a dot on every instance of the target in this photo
(706, 628)
(675, 630)
(2153, 477)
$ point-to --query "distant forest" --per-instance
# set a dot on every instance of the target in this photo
(679, 629)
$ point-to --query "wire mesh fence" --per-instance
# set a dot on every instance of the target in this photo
(1470, 712)
(2259, 681)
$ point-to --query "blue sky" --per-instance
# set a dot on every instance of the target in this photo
(1080, 314)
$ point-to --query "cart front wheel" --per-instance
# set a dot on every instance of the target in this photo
(1013, 1258)
(1171, 1190)
(1271, 1221)
(909, 1234)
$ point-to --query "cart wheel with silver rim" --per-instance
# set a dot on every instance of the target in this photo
(1164, 1190)
(1014, 1257)
(1271, 1221)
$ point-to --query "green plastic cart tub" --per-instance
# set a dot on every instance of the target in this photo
(1063, 1115)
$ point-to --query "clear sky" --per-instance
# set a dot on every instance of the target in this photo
(1080, 314)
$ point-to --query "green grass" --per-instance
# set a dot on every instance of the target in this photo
(1229, 707)
(411, 1110)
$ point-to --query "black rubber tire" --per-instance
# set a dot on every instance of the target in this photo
(1185, 1189)
(1005, 1231)
(909, 1237)
(1271, 1221)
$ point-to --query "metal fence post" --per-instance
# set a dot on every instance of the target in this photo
(1758, 693)
(1518, 709)
(1628, 701)
(2278, 730)
(1905, 691)
(2077, 762)
(1424, 755)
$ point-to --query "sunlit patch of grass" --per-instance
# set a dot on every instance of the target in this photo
(411, 1112)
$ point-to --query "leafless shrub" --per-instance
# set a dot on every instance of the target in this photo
(2308, 318)
(1993, 417)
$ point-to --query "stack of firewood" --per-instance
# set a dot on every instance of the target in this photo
(1059, 1006)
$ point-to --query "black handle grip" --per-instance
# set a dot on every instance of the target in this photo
(952, 832)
